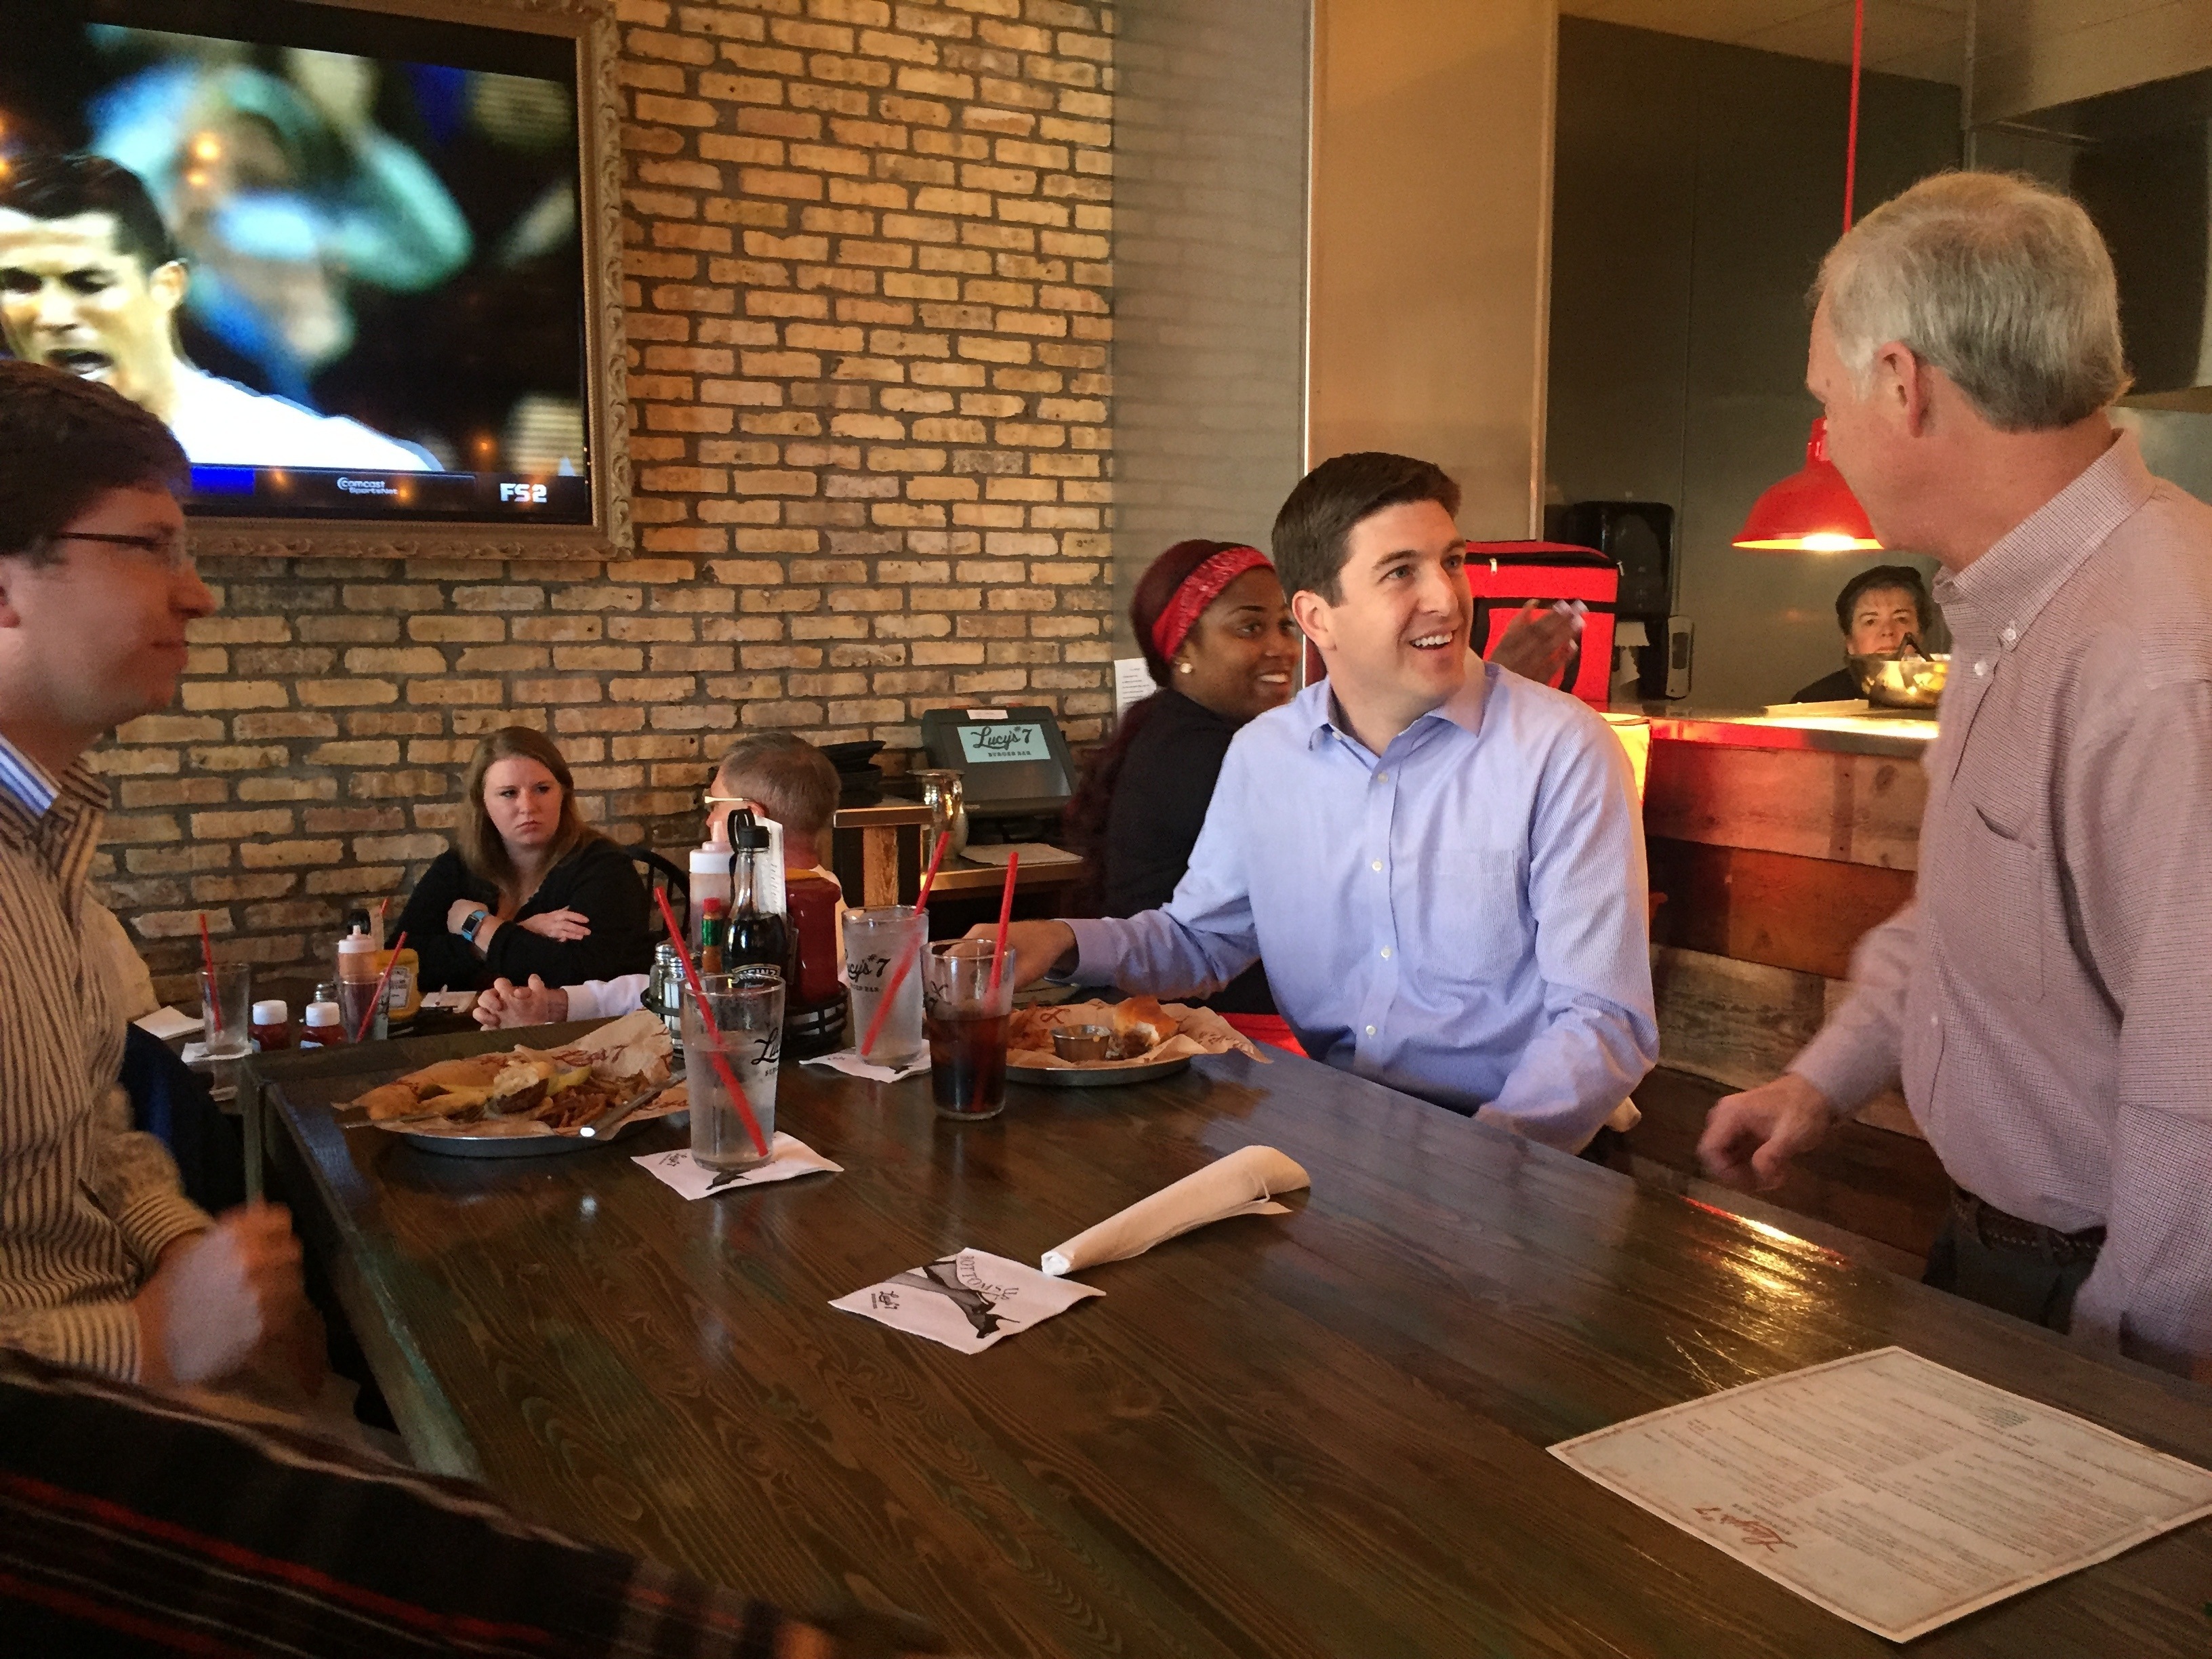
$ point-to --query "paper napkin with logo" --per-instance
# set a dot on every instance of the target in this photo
(787, 1156)
(967, 1300)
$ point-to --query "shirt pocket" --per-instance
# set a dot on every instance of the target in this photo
(1473, 931)
(1993, 907)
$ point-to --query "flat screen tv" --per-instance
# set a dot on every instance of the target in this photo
(352, 256)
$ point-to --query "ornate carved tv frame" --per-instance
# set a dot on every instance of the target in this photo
(590, 24)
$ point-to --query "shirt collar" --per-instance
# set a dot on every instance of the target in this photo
(26, 782)
(2013, 581)
(29, 792)
(1316, 712)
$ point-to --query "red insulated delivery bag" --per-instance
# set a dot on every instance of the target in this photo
(1505, 575)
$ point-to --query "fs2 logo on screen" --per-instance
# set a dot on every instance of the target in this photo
(529, 494)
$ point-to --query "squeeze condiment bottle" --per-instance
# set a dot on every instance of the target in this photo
(358, 972)
(272, 1026)
(323, 1029)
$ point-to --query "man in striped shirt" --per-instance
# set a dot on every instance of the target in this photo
(2047, 994)
(104, 1263)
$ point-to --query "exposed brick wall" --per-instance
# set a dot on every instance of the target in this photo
(869, 321)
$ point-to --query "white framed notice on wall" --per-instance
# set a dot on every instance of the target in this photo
(1133, 683)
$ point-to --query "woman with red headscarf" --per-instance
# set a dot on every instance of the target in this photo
(1217, 633)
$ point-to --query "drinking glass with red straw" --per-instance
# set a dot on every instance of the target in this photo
(383, 982)
(906, 962)
(211, 997)
(707, 1018)
(1006, 915)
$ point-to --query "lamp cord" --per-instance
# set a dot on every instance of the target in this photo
(1851, 143)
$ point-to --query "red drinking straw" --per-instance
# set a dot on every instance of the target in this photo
(898, 978)
(1005, 915)
(707, 1018)
(214, 997)
(384, 979)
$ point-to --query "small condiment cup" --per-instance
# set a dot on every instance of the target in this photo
(1080, 1043)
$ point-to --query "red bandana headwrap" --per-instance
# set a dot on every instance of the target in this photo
(1199, 589)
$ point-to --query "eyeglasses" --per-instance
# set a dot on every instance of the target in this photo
(714, 800)
(170, 551)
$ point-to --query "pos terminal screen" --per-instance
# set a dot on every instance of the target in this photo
(1013, 762)
(983, 746)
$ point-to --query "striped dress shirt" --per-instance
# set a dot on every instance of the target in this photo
(2048, 996)
(85, 1205)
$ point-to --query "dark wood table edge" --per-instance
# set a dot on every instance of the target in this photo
(432, 1428)
(429, 1424)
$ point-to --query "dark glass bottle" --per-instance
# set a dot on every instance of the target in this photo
(757, 932)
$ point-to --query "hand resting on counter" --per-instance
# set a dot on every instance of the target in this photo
(1751, 1138)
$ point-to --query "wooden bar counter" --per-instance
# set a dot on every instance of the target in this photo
(1322, 1433)
(1778, 841)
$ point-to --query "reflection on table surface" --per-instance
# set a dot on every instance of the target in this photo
(1318, 1433)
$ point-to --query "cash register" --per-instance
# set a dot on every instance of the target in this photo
(1016, 774)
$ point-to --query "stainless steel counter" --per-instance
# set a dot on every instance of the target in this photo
(1844, 728)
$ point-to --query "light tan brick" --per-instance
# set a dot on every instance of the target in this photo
(235, 826)
(397, 848)
(269, 788)
(341, 694)
(237, 757)
(373, 879)
(445, 630)
(238, 630)
(233, 694)
(455, 691)
(289, 854)
(224, 890)
(167, 728)
(137, 794)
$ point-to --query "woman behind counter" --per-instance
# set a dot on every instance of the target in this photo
(527, 886)
(1217, 636)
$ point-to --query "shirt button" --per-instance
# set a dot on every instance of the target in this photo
(1981, 667)
(1370, 1031)
(2009, 635)
(1381, 777)
(1377, 866)
(1386, 953)
(1934, 1022)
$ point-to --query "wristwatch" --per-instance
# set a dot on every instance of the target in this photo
(476, 919)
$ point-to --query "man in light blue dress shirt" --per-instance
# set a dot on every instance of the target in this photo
(1441, 863)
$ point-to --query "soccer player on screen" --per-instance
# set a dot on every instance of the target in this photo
(90, 283)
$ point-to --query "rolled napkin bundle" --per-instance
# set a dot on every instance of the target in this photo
(1239, 1184)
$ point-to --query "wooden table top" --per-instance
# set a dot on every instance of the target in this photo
(1320, 1433)
(965, 876)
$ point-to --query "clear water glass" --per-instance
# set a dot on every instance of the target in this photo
(876, 942)
(225, 1009)
(746, 1008)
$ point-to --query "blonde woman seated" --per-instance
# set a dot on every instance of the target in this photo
(527, 887)
(780, 777)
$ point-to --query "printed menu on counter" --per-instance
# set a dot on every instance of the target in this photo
(1892, 1491)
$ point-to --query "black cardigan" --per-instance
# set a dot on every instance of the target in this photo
(1159, 803)
(1832, 688)
(596, 879)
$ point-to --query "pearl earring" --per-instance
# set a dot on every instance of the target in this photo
(1182, 668)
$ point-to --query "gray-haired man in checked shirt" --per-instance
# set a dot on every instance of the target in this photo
(2048, 996)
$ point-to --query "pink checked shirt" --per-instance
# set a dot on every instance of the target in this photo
(2048, 995)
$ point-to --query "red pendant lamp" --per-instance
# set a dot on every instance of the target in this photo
(1812, 510)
